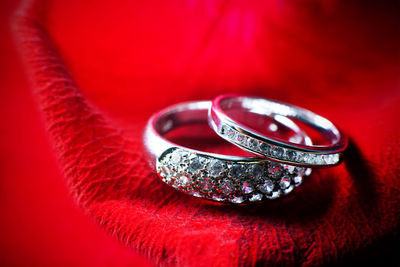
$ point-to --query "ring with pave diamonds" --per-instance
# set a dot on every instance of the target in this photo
(218, 177)
(273, 148)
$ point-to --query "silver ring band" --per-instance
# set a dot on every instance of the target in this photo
(276, 149)
(212, 176)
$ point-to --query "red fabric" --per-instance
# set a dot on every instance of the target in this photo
(101, 68)
(39, 224)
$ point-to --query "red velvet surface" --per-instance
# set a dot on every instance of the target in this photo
(99, 69)
(39, 223)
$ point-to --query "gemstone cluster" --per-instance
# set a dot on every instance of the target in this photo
(275, 151)
(227, 181)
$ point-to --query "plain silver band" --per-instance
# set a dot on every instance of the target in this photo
(275, 149)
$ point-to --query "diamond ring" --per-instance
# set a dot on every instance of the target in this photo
(218, 177)
(224, 120)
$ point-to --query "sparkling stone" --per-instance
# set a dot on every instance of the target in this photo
(167, 179)
(205, 185)
(274, 195)
(326, 159)
(164, 171)
(265, 148)
(308, 171)
(195, 194)
(332, 158)
(288, 190)
(195, 165)
(176, 157)
(300, 170)
(284, 183)
(319, 159)
(216, 167)
(275, 170)
(229, 132)
(237, 171)
(256, 197)
(277, 152)
(291, 155)
(252, 143)
(290, 168)
(237, 200)
(241, 139)
(314, 159)
(247, 187)
(217, 198)
(257, 171)
(297, 180)
(266, 187)
(184, 180)
(304, 157)
(227, 187)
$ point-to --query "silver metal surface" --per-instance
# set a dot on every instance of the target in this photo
(273, 148)
(223, 178)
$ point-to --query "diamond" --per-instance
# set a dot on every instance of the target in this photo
(300, 170)
(252, 143)
(237, 171)
(228, 131)
(308, 171)
(176, 157)
(266, 187)
(205, 185)
(247, 187)
(216, 167)
(291, 155)
(319, 159)
(275, 170)
(237, 200)
(195, 165)
(184, 180)
(277, 152)
(290, 168)
(257, 171)
(256, 197)
(308, 158)
(217, 198)
(274, 195)
(304, 157)
(284, 183)
(288, 190)
(297, 180)
(241, 139)
(164, 171)
(326, 159)
(332, 158)
(315, 159)
(194, 193)
(265, 148)
(226, 187)
(167, 179)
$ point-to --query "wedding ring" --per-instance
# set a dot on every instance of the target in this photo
(276, 149)
(218, 177)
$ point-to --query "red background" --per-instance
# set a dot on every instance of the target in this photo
(39, 224)
(128, 59)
